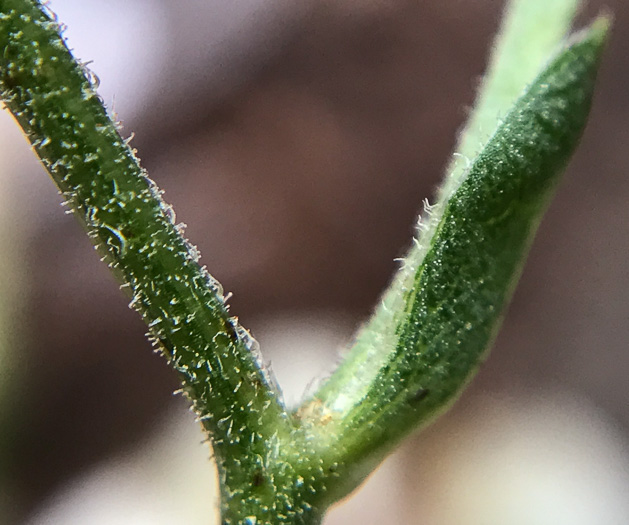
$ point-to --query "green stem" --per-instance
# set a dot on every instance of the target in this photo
(424, 343)
(51, 97)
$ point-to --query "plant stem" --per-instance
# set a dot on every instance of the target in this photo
(434, 326)
(52, 98)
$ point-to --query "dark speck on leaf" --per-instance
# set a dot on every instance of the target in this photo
(258, 479)
(419, 395)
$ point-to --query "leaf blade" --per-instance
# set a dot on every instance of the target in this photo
(453, 308)
(536, 26)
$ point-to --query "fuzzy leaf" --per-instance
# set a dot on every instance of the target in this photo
(454, 303)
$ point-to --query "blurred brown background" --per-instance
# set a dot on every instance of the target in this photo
(297, 139)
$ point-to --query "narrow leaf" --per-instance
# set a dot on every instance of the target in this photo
(454, 305)
(531, 31)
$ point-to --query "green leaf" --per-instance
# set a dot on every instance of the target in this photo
(531, 31)
(435, 324)
(453, 306)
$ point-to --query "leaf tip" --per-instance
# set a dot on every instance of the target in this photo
(598, 31)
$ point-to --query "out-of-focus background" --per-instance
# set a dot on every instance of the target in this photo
(297, 139)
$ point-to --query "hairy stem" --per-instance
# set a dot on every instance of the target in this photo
(52, 98)
(436, 322)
